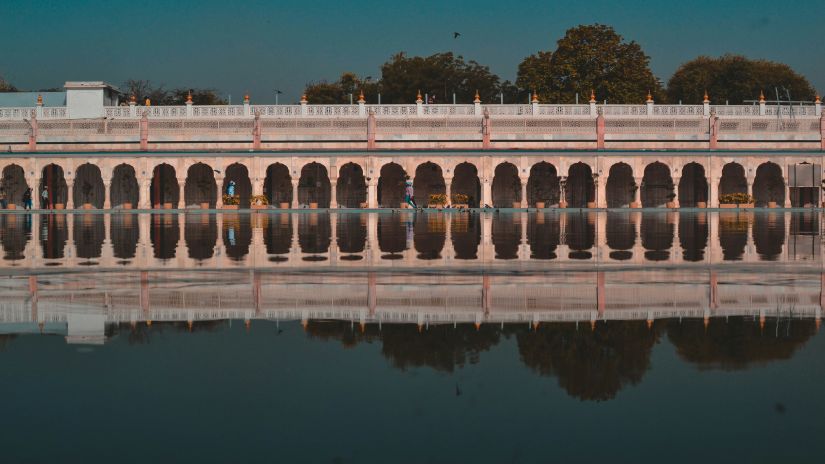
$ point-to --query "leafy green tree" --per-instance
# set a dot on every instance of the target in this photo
(590, 57)
(6, 86)
(158, 95)
(735, 78)
(338, 92)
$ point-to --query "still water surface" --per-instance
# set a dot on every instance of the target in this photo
(428, 337)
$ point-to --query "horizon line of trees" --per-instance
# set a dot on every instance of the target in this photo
(589, 58)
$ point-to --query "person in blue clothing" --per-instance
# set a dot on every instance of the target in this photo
(230, 189)
(409, 194)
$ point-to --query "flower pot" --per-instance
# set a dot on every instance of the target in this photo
(516, 204)
(746, 205)
(313, 205)
(540, 204)
(728, 205)
(284, 205)
(167, 206)
(259, 206)
(636, 205)
(435, 205)
(230, 207)
(205, 205)
(562, 204)
(591, 204)
(701, 204)
(87, 206)
(670, 204)
(126, 206)
(11, 206)
(771, 204)
(461, 205)
(59, 206)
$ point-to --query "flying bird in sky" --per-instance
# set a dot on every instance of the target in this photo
(456, 35)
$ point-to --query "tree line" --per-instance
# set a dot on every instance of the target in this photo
(589, 58)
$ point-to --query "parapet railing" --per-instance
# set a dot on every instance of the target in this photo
(362, 110)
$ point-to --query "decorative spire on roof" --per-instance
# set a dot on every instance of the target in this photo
(246, 99)
(39, 100)
(132, 99)
(477, 99)
(761, 97)
(535, 98)
(304, 98)
(418, 98)
(706, 99)
(189, 97)
(817, 99)
(148, 102)
(361, 98)
(592, 96)
(649, 97)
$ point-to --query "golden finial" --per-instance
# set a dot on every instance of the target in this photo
(148, 102)
(817, 99)
(418, 98)
(535, 97)
(592, 96)
(706, 99)
(39, 100)
(649, 324)
(592, 325)
(649, 97)
(189, 324)
(132, 99)
(148, 323)
(761, 97)
(478, 325)
(361, 98)
(304, 98)
(246, 98)
(189, 97)
(477, 98)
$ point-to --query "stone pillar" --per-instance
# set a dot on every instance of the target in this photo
(822, 132)
(69, 194)
(107, 193)
(144, 195)
(371, 130)
(600, 131)
(713, 198)
(788, 202)
(749, 179)
(448, 186)
(333, 193)
(33, 134)
(637, 202)
(219, 199)
(713, 128)
(676, 181)
(486, 128)
(601, 192)
(372, 193)
(256, 132)
(524, 202)
(144, 132)
(295, 193)
(182, 194)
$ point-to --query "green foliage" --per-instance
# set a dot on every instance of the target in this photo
(438, 199)
(259, 200)
(735, 198)
(338, 92)
(460, 198)
(735, 78)
(6, 86)
(143, 89)
(231, 199)
(591, 57)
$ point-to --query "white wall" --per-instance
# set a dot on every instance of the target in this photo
(84, 103)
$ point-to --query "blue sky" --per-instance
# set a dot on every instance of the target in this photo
(257, 46)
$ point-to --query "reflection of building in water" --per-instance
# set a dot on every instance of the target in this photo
(86, 302)
(446, 239)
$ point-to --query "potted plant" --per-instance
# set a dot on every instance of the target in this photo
(259, 201)
(459, 200)
(230, 201)
(284, 205)
(541, 204)
(126, 205)
(735, 200)
(11, 206)
(437, 200)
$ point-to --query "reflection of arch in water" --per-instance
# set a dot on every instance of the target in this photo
(314, 185)
(506, 235)
(164, 189)
(278, 234)
(620, 231)
(200, 235)
(465, 233)
(769, 235)
(15, 231)
(164, 233)
(543, 235)
(237, 235)
(733, 235)
(466, 182)
(693, 236)
(580, 188)
(125, 234)
(580, 234)
(394, 232)
(430, 235)
(314, 233)
(124, 187)
(88, 187)
(89, 233)
(351, 189)
(657, 185)
(657, 236)
(238, 173)
(620, 189)
(693, 186)
(278, 184)
(428, 181)
(391, 185)
(506, 186)
(769, 185)
(543, 184)
(14, 184)
(54, 234)
(352, 233)
(200, 187)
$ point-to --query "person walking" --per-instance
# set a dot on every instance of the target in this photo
(45, 197)
(27, 198)
(3, 203)
(409, 195)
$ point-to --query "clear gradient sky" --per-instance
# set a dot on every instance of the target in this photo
(260, 45)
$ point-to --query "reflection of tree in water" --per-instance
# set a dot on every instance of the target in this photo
(352, 232)
(465, 233)
(441, 347)
(15, 231)
(430, 234)
(278, 234)
(769, 235)
(89, 233)
(237, 235)
(53, 235)
(125, 235)
(590, 364)
(737, 343)
(543, 235)
(733, 235)
(506, 232)
(693, 236)
(200, 235)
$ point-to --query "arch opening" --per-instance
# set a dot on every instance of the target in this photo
(88, 187)
(543, 185)
(57, 190)
(769, 185)
(124, 189)
(733, 179)
(239, 174)
(693, 186)
(200, 188)
(391, 185)
(506, 186)
(466, 182)
(164, 189)
(579, 188)
(278, 185)
(314, 186)
(14, 184)
(351, 189)
(657, 186)
(620, 189)
(428, 181)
